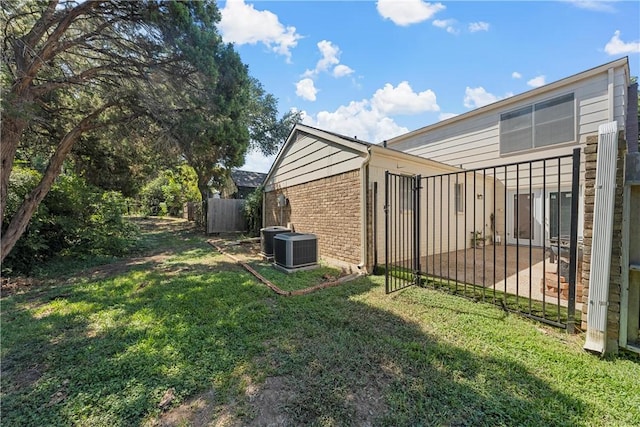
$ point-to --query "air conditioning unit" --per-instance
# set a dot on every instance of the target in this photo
(266, 239)
(295, 250)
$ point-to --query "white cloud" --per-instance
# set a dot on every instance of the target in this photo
(478, 97)
(403, 100)
(445, 116)
(615, 46)
(537, 81)
(595, 5)
(478, 26)
(242, 24)
(306, 89)
(358, 120)
(342, 70)
(408, 12)
(446, 24)
(330, 57)
(369, 119)
(442, 23)
(516, 75)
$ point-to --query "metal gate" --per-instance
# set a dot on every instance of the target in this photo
(504, 234)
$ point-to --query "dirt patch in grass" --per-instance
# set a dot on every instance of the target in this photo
(243, 250)
(196, 412)
(267, 402)
(14, 285)
(264, 404)
(21, 380)
(120, 267)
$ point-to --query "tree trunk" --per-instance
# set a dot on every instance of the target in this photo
(204, 193)
(11, 131)
(28, 60)
(21, 218)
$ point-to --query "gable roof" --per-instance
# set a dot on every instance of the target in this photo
(354, 144)
(337, 135)
(247, 178)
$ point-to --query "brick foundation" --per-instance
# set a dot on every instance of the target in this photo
(327, 207)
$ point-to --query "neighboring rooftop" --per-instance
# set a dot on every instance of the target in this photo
(247, 178)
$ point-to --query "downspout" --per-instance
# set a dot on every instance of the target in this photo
(364, 179)
(264, 206)
(611, 94)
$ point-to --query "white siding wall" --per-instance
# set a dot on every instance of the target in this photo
(475, 142)
(445, 217)
(309, 158)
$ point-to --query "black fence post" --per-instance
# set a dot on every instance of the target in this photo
(416, 228)
(573, 244)
(386, 231)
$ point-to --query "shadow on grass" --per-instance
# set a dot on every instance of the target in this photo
(105, 352)
(343, 360)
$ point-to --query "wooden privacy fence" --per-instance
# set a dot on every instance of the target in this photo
(225, 215)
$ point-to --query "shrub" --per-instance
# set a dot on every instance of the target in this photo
(74, 219)
(252, 211)
(167, 193)
(152, 195)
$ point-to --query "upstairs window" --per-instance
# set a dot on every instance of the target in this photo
(538, 125)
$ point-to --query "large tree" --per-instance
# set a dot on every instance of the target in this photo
(71, 68)
(219, 122)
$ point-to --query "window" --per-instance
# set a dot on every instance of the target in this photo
(406, 194)
(560, 214)
(539, 125)
(459, 192)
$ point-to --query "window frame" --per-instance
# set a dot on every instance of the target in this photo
(459, 197)
(406, 196)
(533, 124)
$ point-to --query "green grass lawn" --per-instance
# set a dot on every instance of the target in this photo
(101, 347)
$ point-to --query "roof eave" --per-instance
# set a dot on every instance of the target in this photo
(516, 98)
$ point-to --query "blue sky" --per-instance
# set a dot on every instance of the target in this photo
(377, 69)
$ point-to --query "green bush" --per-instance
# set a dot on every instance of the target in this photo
(75, 219)
(151, 196)
(252, 211)
(167, 193)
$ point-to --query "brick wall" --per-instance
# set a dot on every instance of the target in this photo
(329, 208)
(615, 278)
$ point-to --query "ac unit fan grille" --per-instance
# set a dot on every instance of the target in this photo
(266, 239)
(293, 250)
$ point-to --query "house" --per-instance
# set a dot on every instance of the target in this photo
(333, 187)
(244, 183)
(241, 183)
(510, 171)
(545, 122)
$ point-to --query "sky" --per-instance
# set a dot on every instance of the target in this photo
(378, 69)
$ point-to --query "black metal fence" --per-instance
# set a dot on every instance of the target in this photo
(504, 234)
